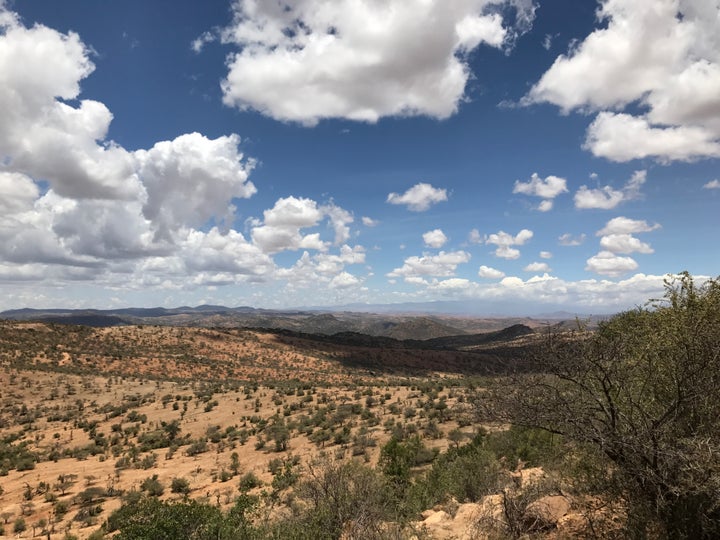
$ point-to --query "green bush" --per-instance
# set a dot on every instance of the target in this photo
(642, 391)
(19, 525)
(151, 519)
(152, 486)
(532, 447)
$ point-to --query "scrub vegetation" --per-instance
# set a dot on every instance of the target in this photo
(161, 433)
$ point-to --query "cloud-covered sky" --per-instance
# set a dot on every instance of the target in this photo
(531, 154)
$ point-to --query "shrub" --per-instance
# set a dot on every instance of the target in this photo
(19, 525)
(249, 481)
(641, 390)
(152, 486)
(180, 485)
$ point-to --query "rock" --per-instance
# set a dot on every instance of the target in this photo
(491, 509)
(545, 513)
(437, 517)
(467, 513)
(531, 476)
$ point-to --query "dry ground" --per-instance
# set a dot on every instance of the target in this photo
(84, 403)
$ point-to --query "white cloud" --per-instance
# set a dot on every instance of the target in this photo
(607, 263)
(504, 241)
(443, 264)
(420, 197)
(339, 220)
(607, 198)
(331, 264)
(604, 198)
(451, 285)
(546, 189)
(507, 252)
(18, 192)
(344, 280)
(198, 44)
(712, 184)
(663, 56)
(229, 253)
(567, 239)
(622, 137)
(121, 218)
(282, 225)
(547, 41)
(545, 255)
(623, 225)
(490, 273)
(44, 137)
(308, 60)
(435, 238)
(324, 269)
(537, 267)
(474, 237)
(624, 243)
(369, 222)
(192, 178)
(545, 206)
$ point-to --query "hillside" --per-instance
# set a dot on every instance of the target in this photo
(86, 411)
(397, 326)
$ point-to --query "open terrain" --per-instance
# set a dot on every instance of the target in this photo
(166, 431)
(89, 414)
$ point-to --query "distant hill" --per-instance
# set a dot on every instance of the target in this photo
(396, 326)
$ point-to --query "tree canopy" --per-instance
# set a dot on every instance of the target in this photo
(641, 390)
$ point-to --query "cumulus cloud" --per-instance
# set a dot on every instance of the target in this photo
(617, 237)
(192, 178)
(662, 56)
(607, 198)
(537, 267)
(305, 61)
(623, 225)
(567, 239)
(344, 280)
(435, 238)
(419, 198)
(283, 223)
(160, 217)
(712, 184)
(504, 241)
(322, 268)
(198, 44)
(547, 189)
(45, 137)
(369, 222)
(490, 273)
(607, 263)
(622, 137)
(339, 220)
(545, 255)
(230, 253)
(474, 237)
(443, 264)
(18, 192)
(624, 243)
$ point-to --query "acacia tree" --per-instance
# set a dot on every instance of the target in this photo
(642, 390)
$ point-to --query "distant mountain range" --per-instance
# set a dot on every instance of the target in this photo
(398, 326)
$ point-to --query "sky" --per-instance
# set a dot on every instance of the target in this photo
(520, 156)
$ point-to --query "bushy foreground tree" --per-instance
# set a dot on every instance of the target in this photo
(643, 392)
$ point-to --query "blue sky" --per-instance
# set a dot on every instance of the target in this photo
(541, 155)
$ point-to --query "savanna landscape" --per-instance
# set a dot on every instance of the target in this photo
(158, 431)
(359, 269)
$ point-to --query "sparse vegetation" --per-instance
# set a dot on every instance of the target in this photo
(280, 435)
